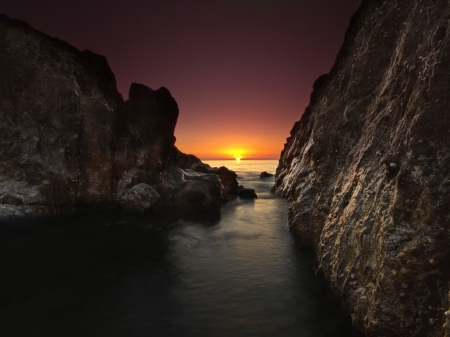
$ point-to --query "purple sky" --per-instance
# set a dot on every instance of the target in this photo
(241, 70)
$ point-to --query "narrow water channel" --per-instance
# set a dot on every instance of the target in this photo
(234, 272)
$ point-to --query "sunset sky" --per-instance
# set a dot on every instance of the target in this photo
(241, 70)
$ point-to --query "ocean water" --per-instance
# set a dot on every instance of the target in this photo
(237, 271)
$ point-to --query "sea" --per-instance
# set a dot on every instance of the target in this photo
(237, 271)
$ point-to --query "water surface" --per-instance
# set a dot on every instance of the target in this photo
(237, 271)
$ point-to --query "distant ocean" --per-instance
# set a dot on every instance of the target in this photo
(237, 271)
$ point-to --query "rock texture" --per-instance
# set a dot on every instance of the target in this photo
(57, 112)
(67, 138)
(140, 198)
(367, 169)
(191, 191)
(191, 162)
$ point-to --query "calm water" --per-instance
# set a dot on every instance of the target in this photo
(233, 272)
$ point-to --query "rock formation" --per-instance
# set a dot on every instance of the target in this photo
(367, 169)
(68, 139)
(191, 162)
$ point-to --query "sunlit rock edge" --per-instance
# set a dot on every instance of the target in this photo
(366, 169)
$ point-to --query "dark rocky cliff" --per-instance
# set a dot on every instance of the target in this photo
(367, 169)
(67, 138)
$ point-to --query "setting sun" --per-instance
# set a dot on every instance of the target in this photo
(238, 159)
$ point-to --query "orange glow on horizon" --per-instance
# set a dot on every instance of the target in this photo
(224, 139)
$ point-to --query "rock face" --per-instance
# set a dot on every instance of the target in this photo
(67, 138)
(58, 108)
(141, 198)
(367, 169)
(145, 137)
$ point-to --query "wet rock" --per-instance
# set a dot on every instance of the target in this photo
(189, 161)
(228, 178)
(190, 190)
(378, 122)
(247, 193)
(265, 175)
(141, 198)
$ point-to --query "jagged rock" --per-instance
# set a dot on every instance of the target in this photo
(265, 175)
(190, 190)
(141, 198)
(67, 138)
(58, 108)
(146, 136)
(247, 193)
(183, 160)
(228, 178)
(385, 101)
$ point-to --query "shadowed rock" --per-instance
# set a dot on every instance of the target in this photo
(190, 190)
(189, 161)
(67, 138)
(265, 175)
(247, 193)
(141, 198)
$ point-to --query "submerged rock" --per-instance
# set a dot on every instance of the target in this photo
(367, 169)
(141, 198)
(265, 175)
(247, 193)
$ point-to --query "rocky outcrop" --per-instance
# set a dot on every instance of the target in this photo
(140, 198)
(58, 108)
(145, 137)
(67, 138)
(367, 169)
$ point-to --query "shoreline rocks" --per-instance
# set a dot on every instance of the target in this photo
(69, 140)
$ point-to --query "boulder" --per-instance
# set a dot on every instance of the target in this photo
(265, 175)
(141, 198)
(190, 190)
(247, 193)
(228, 178)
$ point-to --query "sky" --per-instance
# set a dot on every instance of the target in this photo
(241, 71)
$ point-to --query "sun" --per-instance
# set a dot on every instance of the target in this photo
(238, 159)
